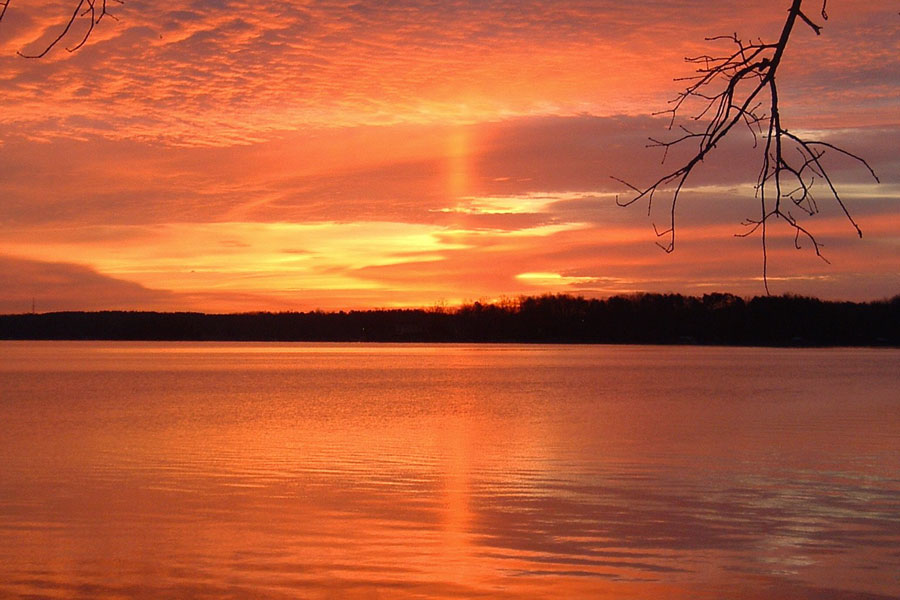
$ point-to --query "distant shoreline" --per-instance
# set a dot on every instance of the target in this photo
(713, 319)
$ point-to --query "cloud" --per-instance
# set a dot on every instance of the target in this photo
(343, 152)
(238, 72)
(518, 172)
(54, 286)
(415, 214)
(555, 280)
(503, 205)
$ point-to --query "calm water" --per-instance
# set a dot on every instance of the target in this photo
(379, 471)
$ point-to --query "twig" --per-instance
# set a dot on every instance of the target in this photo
(741, 87)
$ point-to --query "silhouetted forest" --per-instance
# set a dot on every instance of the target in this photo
(634, 319)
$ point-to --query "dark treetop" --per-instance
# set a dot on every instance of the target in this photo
(634, 319)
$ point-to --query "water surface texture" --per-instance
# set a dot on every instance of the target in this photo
(133, 470)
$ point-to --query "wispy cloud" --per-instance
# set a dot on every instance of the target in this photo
(226, 73)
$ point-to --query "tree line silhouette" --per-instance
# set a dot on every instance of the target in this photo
(715, 318)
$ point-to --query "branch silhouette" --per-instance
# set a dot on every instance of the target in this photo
(85, 13)
(740, 88)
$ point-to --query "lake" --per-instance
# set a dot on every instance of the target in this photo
(183, 470)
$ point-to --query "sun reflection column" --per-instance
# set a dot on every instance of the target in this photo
(458, 158)
(457, 547)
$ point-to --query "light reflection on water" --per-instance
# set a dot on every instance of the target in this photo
(332, 471)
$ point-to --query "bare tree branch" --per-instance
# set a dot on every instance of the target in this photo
(87, 13)
(737, 87)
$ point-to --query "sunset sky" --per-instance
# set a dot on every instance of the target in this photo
(230, 156)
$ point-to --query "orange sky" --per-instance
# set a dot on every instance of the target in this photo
(228, 156)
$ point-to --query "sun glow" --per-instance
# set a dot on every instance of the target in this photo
(458, 149)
